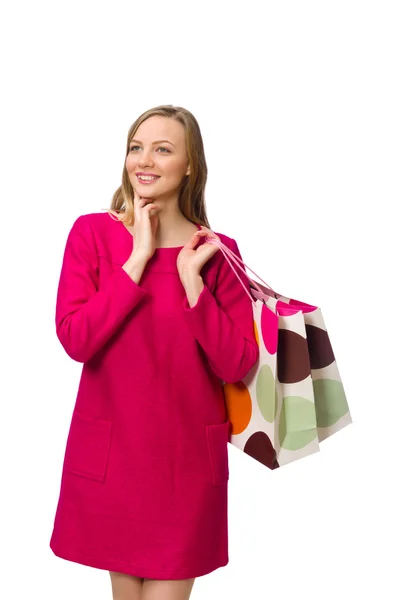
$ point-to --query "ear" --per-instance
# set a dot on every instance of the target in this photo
(188, 171)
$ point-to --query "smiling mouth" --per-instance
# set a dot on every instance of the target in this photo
(147, 180)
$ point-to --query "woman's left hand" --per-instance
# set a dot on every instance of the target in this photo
(191, 260)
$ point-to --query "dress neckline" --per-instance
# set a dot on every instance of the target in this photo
(157, 248)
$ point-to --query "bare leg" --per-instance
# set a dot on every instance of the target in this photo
(126, 587)
(167, 589)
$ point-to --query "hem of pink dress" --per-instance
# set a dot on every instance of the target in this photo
(135, 570)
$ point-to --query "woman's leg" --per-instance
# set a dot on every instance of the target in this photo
(126, 587)
(167, 589)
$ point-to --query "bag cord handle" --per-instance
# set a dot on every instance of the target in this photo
(229, 253)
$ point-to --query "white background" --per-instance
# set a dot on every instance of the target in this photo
(297, 106)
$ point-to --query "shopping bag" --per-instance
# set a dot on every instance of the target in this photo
(293, 398)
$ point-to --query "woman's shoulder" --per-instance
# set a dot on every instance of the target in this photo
(96, 222)
(226, 239)
(100, 230)
(97, 217)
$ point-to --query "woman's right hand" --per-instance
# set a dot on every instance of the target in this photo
(145, 226)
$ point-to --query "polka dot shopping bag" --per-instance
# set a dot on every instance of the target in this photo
(293, 397)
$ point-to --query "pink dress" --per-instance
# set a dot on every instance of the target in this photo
(145, 474)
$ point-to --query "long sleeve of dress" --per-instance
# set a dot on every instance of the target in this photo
(223, 323)
(85, 317)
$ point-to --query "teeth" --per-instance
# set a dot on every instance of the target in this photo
(146, 177)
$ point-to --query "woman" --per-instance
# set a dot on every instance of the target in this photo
(160, 321)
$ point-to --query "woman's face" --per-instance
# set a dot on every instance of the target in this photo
(166, 158)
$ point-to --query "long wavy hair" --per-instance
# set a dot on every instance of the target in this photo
(191, 195)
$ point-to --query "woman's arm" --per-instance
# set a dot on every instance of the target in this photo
(85, 317)
(223, 322)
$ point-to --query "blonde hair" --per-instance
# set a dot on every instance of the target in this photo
(191, 195)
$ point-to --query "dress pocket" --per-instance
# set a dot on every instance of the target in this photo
(87, 447)
(217, 440)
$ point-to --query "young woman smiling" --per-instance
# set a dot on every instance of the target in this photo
(159, 320)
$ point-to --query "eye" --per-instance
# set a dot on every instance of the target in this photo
(160, 148)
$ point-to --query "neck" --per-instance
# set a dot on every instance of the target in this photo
(172, 225)
(169, 214)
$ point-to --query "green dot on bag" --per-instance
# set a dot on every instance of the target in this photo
(297, 426)
(330, 400)
(266, 394)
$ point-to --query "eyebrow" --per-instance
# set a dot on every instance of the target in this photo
(157, 142)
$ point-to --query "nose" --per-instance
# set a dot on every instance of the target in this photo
(145, 159)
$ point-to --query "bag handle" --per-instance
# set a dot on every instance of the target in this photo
(229, 253)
